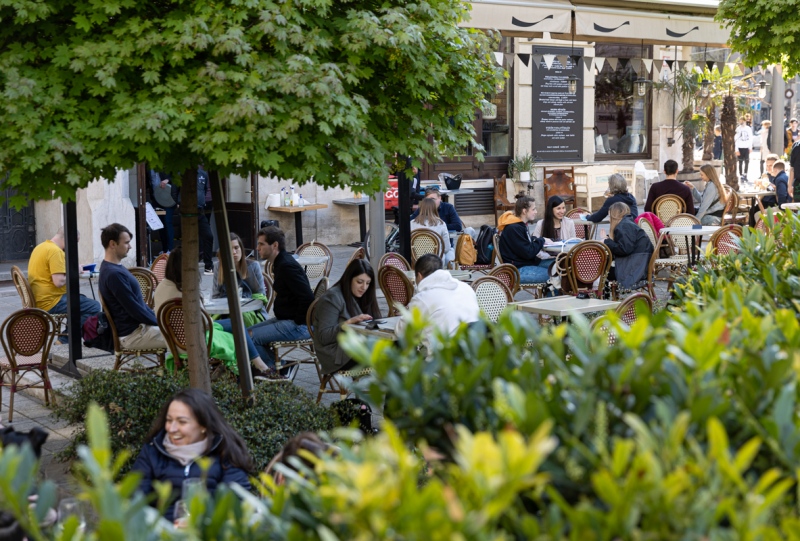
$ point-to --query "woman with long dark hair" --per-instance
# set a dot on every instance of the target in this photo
(554, 226)
(351, 300)
(247, 272)
(188, 427)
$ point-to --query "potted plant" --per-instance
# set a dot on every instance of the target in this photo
(522, 166)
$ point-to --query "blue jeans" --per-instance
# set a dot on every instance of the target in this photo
(167, 233)
(275, 330)
(89, 308)
(533, 274)
(227, 326)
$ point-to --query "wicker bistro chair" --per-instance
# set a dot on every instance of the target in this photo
(393, 259)
(628, 312)
(587, 263)
(500, 199)
(280, 350)
(509, 275)
(268, 270)
(159, 267)
(536, 290)
(360, 253)
(316, 249)
(649, 230)
(425, 242)
(172, 324)
(269, 291)
(148, 282)
(681, 244)
(493, 296)
(675, 265)
(396, 287)
(475, 267)
(580, 230)
(331, 383)
(28, 301)
(27, 336)
(124, 356)
(667, 206)
(725, 240)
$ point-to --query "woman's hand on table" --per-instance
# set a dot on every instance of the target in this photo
(358, 319)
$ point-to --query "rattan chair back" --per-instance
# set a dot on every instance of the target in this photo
(394, 259)
(396, 287)
(269, 291)
(725, 240)
(424, 241)
(148, 282)
(587, 263)
(321, 288)
(493, 296)
(667, 206)
(159, 267)
(508, 274)
(23, 288)
(171, 321)
(316, 249)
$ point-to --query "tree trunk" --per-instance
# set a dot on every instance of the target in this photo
(708, 139)
(728, 124)
(687, 147)
(196, 352)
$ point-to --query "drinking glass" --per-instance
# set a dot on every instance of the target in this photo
(181, 517)
(69, 507)
(190, 488)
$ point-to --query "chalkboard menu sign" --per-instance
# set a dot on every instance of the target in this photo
(557, 114)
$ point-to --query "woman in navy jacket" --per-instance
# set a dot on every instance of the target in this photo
(618, 188)
(188, 427)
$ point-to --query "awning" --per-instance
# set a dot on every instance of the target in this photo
(521, 18)
(628, 26)
(689, 7)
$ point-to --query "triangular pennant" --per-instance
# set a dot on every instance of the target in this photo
(525, 58)
(681, 64)
(648, 64)
(548, 60)
(710, 65)
(509, 58)
(670, 63)
(588, 61)
(537, 61)
(562, 59)
(599, 62)
(741, 66)
(689, 67)
(498, 57)
(574, 59)
(612, 62)
(623, 62)
(636, 66)
(729, 66)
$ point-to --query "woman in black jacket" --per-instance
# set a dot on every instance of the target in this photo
(618, 187)
(518, 246)
(630, 246)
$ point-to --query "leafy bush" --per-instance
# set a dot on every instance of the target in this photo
(132, 402)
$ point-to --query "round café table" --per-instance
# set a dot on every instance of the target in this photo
(220, 306)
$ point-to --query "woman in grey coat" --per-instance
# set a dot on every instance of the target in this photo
(351, 300)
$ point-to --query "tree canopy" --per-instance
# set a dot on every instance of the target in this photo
(764, 31)
(322, 89)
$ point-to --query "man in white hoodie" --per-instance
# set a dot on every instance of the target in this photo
(443, 301)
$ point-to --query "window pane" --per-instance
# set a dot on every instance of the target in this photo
(621, 116)
(495, 131)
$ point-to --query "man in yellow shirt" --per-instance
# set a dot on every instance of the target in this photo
(47, 274)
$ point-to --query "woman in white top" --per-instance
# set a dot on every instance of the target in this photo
(744, 143)
(428, 218)
(554, 227)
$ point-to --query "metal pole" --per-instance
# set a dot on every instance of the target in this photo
(228, 269)
(778, 100)
(377, 224)
(74, 330)
(403, 197)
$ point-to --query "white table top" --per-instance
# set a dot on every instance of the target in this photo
(790, 206)
(385, 328)
(686, 230)
(755, 193)
(564, 305)
(304, 260)
(558, 247)
(220, 306)
(581, 221)
(355, 201)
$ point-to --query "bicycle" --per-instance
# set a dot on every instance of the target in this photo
(391, 234)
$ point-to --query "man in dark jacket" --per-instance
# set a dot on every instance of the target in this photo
(781, 182)
(136, 322)
(447, 212)
(293, 296)
(794, 171)
(671, 186)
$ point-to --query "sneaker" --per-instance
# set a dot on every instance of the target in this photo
(270, 375)
(208, 272)
(291, 372)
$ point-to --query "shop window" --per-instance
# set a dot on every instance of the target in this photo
(621, 117)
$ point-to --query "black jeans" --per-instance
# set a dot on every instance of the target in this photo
(206, 239)
(744, 160)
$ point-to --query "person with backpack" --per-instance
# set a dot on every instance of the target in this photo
(518, 247)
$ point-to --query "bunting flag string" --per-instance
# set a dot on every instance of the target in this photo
(509, 59)
(648, 64)
(588, 63)
(562, 60)
(548, 60)
(537, 61)
(525, 58)
(612, 63)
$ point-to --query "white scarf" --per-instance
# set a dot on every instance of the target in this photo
(185, 453)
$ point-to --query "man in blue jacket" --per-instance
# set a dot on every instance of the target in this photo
(136, 323)
(779, 179)
(447, 212)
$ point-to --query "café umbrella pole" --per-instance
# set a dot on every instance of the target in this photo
(228, 269)
(74, 330)
(403, 198)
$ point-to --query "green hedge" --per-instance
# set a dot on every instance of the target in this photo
(132, 402)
